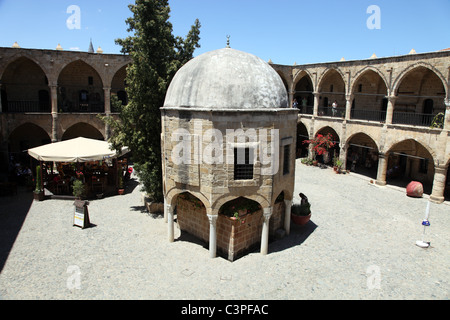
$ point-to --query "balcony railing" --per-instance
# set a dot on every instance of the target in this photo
(408, 118)
(370, 115)
(331, 112)
(412, 118)
(306, 109)
(83, 107)
(25, 106)
(42, 107)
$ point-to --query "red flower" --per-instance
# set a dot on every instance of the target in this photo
(321, 144)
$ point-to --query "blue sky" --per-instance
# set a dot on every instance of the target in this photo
(285, 31)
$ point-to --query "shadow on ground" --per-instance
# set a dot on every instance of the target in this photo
(13, 212)
(297, 236)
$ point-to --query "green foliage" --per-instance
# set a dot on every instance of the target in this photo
(337, 162)
(157, 55)
(78, 188)
(301, 209)
(438, 121)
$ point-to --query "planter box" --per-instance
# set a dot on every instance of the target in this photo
(155, 207)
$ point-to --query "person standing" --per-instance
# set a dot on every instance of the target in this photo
(334, 108)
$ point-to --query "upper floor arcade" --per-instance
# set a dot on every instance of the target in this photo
(54, 81)
(410, 90)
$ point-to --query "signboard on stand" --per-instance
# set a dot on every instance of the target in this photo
(81, 214)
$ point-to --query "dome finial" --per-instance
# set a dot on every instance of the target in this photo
(228, 41)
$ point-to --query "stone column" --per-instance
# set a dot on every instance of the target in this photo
(382, 169)
(287, 216)
(54, 101)
(107, 91)
(170, 221)
(316, 103)
(343, 156)
(390, 109)
(291, 99)
(265, 231)
(166, 210)
(447, 115)
(348, 106)
(212, 235)
(440, 176)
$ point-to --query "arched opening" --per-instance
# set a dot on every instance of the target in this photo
(370, 101)
(332, 90)
(410, 161)
(362, 155)
(333, 152)
(24, 137)
(191, 217)
(80, 89)
(239, 227)
(24, 87)
(420, 97)
(118, 86)
(84, 130)
(302, 135)
(304, 95)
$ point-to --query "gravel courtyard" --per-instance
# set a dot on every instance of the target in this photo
(360, 244)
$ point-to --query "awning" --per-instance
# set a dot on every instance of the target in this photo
(76, 150)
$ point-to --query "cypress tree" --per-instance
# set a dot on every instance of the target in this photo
(156, 56)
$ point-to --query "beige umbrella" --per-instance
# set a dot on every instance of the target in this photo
(75, 150)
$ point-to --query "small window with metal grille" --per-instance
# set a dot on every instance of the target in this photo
(286, 159)
(243, 164)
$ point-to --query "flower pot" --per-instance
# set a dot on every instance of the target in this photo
(301, 213)
(121, 191)
(300, 220)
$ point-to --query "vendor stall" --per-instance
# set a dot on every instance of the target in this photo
(88, 160)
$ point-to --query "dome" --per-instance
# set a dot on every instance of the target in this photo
(227, 79)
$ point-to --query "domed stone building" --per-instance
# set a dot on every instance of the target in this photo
(228, 148)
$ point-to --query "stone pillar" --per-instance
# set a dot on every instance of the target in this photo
(390, 109)
(166, 210)
(343, 156)
(348, 106)
(440, 176)
(316, 103)
(287, 216)
(265, 231)
(54, 101)
(212, 235)
(291, 99)
(447, 115)
(170, 221)
(382, 169)
(107, 91)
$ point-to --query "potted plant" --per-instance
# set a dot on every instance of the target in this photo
(38, 191)
(121, 190)
(337, 165)
(78, 189)
(301, 212)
